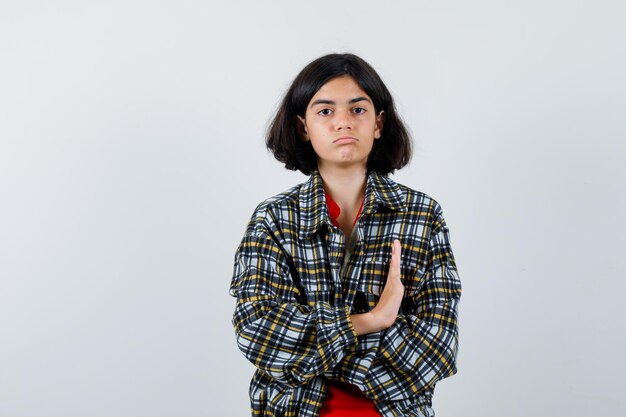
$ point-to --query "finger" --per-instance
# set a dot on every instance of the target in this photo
(398, 250)
(395, 256)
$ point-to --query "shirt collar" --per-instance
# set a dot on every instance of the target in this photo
(379, 191)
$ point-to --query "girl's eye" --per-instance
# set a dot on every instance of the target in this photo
(359, 110)
(324, 112)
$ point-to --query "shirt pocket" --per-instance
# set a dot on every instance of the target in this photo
(374, 276)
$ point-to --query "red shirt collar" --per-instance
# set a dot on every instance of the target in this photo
(334, 210)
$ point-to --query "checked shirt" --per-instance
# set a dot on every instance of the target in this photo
(295, 293)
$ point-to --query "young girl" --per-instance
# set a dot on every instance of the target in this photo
(347, 289)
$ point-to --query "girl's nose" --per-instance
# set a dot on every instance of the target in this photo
(343, 120)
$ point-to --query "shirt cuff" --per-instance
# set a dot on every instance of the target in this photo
(337, 327)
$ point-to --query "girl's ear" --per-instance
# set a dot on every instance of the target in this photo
(380, 120)
(301, 127)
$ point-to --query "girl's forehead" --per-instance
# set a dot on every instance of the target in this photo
(340, 87)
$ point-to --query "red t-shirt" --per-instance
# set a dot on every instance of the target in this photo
(345, 400)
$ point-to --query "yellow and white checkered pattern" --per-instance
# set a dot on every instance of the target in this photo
(294, 300)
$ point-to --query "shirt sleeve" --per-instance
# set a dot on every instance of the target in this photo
(277, 332)
(421, 346)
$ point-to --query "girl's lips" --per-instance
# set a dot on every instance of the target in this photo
(345, 139)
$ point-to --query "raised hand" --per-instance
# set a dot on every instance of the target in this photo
(384, 314)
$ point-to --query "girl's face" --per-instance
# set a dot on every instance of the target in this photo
(341, 123)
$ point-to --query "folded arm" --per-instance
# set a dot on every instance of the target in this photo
(290, 341)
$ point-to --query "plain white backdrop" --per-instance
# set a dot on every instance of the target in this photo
(132, 155)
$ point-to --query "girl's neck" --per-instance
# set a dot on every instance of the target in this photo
(346, 186)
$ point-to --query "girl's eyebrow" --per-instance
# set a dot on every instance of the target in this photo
(325, 101)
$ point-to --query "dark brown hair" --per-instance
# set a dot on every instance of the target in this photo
(390, 152)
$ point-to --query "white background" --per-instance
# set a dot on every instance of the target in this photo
(132, 155)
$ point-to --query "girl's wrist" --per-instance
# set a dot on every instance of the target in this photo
(365, 323)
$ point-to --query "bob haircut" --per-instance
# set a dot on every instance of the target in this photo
(284, 136)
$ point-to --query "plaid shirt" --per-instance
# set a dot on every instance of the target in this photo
(295, 295)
